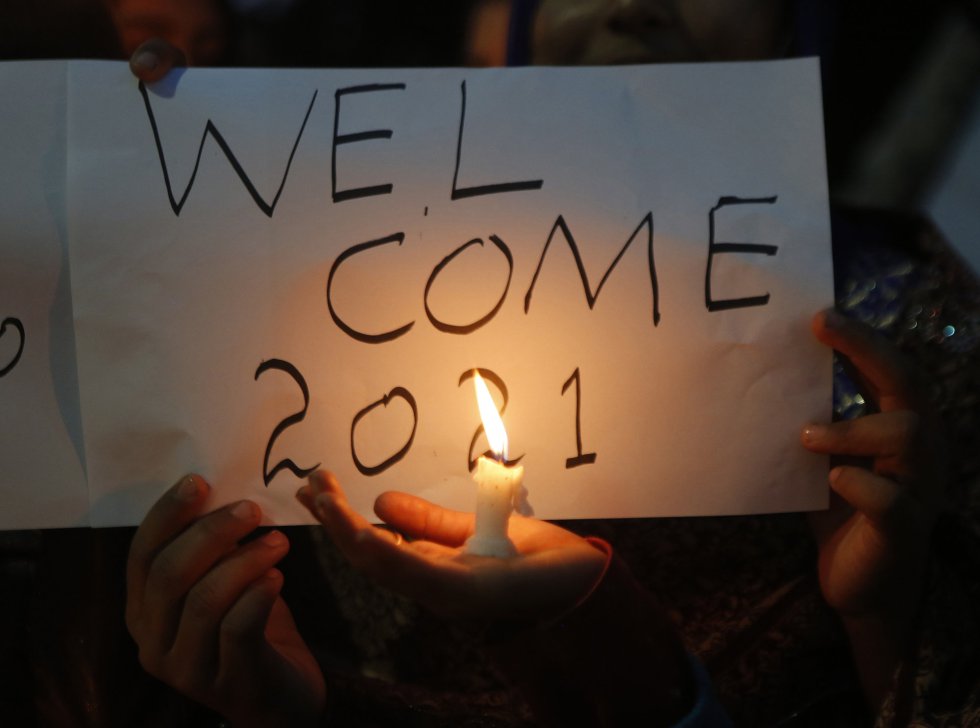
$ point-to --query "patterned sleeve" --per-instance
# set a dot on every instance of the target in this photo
(938, 683)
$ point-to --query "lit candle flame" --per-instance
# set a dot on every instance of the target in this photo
(492, 424)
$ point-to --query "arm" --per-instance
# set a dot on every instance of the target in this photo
(206, 613)
(612, 657)
(569, 625)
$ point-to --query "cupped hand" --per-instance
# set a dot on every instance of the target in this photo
(154, 59)
(207, 616)
(874, 540)
(552, 571)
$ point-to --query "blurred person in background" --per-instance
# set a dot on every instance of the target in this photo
(199, 28)
(487, 27)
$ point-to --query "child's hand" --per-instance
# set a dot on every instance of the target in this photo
(873, 543)
(207, 615)
(874, 540)
(553, 570)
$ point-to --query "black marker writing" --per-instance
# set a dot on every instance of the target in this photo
(401, 393)
(719, 248)
(580, 458)
(459, 193)
(498, 382)
(287, 464)
(338, 139)
(591, 297)
(398, 238)
(471, 327)
(267, 207)
(15, 323)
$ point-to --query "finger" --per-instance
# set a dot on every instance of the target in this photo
(372, 549)
(324, 485)
(879, 499)
(323, 481)
(420, 519)
(170, 515)
(345, 526)
(320, 481)
(420, 570)
(242, 633)
(882, 435)
(883, 367)
(187, 558)
(211, 598)
(305, 496)
(154, 59)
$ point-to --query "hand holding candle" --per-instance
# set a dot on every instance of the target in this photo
(552, 570)
(497, 484)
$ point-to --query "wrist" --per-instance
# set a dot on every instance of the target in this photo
(877, 648)
(880, 641)
(615, 645)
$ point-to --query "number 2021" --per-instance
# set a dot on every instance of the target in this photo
(269, 473)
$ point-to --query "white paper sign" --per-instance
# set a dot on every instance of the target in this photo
(42, 471)
(273, 271)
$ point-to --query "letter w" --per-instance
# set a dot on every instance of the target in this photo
(267, 207)
(591, 297)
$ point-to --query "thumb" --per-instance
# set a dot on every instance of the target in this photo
(154, 59)
(420, 519)
(879, 499)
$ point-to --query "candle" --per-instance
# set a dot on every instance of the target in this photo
(497, 484)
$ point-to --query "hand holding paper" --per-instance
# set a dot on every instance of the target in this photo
(207, 615)
(554, 568)
(874, 543)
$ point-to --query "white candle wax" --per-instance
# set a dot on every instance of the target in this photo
(497, 484)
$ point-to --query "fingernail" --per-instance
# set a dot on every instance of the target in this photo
(146, 61)
(188, 488)
(814, 433)
(304, 494)
(835, 474)
(833, 319)
(244, 511)
(274, 539)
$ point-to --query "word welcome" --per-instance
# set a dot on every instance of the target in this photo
(340, 195)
